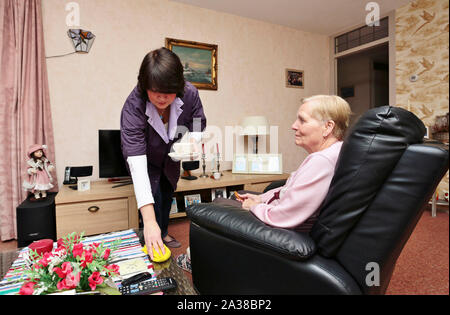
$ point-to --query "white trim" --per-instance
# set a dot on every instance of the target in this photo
(391, 42)
(362, 47)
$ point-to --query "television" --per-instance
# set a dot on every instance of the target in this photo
(111, 161)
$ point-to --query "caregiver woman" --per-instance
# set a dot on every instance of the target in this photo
(160, 109)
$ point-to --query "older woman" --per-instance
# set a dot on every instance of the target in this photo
(319, 129)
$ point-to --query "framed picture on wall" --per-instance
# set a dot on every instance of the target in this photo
(199, 62)
(295, 78)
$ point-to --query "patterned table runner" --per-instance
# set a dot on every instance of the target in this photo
(129, 248)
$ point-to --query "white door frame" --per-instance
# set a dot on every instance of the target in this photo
(390, 40)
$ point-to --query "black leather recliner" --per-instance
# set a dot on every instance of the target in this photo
(384, 176)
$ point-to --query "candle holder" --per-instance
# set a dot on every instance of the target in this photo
(218, 164)
(203, 166)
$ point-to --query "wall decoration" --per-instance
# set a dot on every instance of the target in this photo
(82, 40)
(199, 62)
(295, 78)
(422, 62)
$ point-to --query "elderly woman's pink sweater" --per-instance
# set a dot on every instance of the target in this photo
(303, 192)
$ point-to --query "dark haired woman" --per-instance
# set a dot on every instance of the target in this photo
(157, 113)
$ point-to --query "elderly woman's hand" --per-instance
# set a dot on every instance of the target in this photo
(248, 203)
(244, 197)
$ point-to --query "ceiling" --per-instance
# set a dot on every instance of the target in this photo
(325, 17)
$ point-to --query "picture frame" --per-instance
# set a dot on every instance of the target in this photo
(240, 164)
(218, 192)
(265, 163)
(295, 78)
(83, 185)
(257, 164)
(190, 200)
(199, 62)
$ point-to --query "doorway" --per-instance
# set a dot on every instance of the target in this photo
(363, 79)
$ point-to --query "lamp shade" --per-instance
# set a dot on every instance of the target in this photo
(82, 40)
(254, 126)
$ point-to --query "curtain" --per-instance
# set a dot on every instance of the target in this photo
(25, 116)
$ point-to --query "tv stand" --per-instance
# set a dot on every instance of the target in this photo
(102, 209)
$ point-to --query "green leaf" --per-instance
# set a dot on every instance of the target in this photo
(106, 289)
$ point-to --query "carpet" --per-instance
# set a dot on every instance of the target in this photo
(422, 268)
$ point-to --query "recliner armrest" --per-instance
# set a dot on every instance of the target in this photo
(241, 225)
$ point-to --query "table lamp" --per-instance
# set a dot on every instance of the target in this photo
(255, 126)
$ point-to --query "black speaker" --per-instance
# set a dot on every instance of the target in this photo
(36, 220)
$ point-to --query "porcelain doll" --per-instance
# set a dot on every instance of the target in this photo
(39, 168)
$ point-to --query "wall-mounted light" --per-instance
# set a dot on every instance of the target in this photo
(82, 40)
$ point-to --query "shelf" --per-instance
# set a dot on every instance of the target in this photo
(177, 215)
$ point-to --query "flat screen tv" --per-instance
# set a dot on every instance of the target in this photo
(111, 161)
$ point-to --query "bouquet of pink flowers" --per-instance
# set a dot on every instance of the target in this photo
(70, 266)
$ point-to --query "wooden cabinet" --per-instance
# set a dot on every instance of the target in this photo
(105, 209)
(101, 209)
(93, 217)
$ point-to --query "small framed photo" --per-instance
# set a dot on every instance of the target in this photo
(295, 78)
(83, 185)
(218, 192)
(174, 207)
(240, 164)
(190, 200)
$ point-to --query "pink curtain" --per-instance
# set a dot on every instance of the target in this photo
(25, 116)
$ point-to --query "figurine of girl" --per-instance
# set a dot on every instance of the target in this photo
(39, 168)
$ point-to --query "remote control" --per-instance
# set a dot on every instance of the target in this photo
(149, 286)
(137, 278)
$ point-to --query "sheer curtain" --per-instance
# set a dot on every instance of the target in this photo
(25, 116)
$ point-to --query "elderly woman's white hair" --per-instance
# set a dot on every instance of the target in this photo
(331, 107)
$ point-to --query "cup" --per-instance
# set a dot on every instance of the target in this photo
(216, 175)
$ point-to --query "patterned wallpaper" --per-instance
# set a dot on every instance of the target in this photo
(422, 49)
